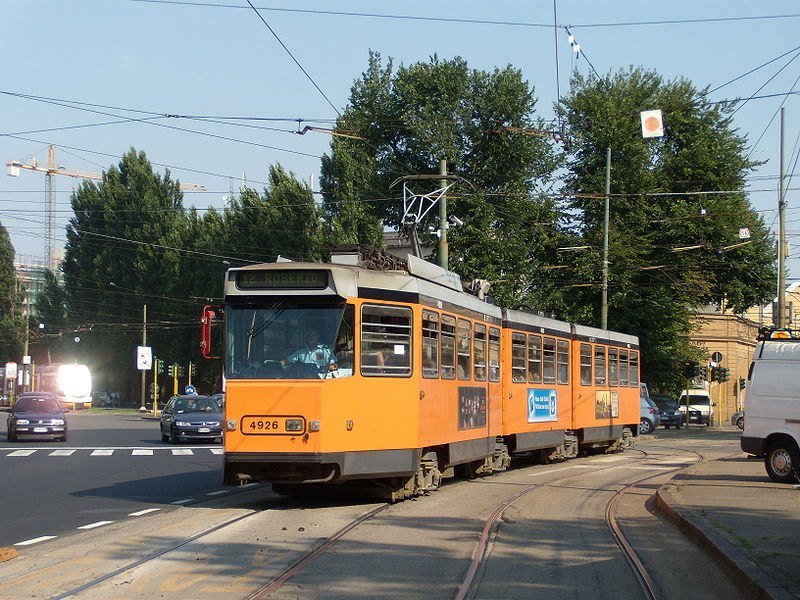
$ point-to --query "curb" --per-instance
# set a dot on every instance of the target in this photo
(744, 571)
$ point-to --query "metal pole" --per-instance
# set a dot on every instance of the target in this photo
(144, 343)
(780, 319)
(443, 250)
(604, 304)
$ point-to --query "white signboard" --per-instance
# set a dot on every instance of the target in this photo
(11, 370)
(652, 123)
(144, 358)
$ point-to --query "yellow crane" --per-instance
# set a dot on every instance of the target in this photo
(12, 169)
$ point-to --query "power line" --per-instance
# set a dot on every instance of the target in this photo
(297, 62)
(753, 70)
(475, 21)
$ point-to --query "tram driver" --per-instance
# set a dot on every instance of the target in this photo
(314, 352)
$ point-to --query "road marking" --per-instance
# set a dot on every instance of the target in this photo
(141, 452)
(95, 524)
(30, 542)
(217, 492)
(102, 452)
(21, 453)
(217, 450)
(184, 501)
(139, 513)
(61, 453)
(182, 452)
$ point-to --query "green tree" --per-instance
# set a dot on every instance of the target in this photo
(404, 122)
(123, 252)
(11, 320)
(676, 209)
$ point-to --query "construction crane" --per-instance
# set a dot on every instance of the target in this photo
(12, 169)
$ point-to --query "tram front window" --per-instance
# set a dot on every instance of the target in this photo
(287, 341)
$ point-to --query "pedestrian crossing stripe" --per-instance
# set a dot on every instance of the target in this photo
(50, 451)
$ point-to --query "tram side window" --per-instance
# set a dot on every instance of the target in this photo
(549, 360)
(586, 364)
(534, 359)
(448, 353)
(464, 349)
(494, 354)
(385, 341)
(613, 373)
(634, 378)
(563, 361)
(518, 352)
(430, 344)
(623, 367)
(599, 365)
(479, 366)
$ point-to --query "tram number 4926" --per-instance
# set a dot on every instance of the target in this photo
(260, 424)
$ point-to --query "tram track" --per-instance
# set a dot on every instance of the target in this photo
(480, 556)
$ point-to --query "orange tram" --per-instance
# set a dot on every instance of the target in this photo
(409, 380)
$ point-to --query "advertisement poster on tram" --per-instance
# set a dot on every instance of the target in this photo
(471, 407)
(606, 404)
(542, 405)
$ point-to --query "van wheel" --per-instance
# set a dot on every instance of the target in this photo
(782, 462)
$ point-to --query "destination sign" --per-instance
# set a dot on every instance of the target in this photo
(289, 279)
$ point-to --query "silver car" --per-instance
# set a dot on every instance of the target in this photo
(650, 418)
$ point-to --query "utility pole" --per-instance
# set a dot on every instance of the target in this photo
(779, 320)
(144, 343)
(604, 303)
(443, 250)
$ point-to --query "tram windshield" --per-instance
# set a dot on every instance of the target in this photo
(284, 340)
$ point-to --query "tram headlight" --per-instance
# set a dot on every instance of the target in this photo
(294, 425)
(230, 425)
(313, 425)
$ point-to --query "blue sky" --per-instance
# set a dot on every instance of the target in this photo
(194, 58)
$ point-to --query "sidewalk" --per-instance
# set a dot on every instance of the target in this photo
(749, 523)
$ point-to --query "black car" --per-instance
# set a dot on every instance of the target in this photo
(671, 416)
(37, 414)
(191, 417)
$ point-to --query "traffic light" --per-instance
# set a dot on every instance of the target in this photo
(691, 369)
(741, 383)
(192, 369)
(723, 374)
(159, 366)
(181, 370)
(713, 373)
(171, 370)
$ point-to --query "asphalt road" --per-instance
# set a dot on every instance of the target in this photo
(113, 465)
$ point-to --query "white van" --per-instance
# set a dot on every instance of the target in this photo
(772, 426)
(699, 406)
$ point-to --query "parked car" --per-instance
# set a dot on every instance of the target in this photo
(37, 415)
(193, 417)
(668, 410)
(737, 419)
(649, 416)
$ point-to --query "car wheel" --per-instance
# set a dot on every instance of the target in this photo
(782, 462)
(164, 438)
(173, 438)
(645, 426)
(12, 437)
(63, 438)
(740, 422)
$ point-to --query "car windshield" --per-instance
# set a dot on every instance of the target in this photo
(40, 405)
(262, 339)
(190, 405)
(696, 400)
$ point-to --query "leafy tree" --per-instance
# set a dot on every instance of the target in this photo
(404, 122)
(11, 320)
(676, 209)
(122, 252)
(51, 303)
